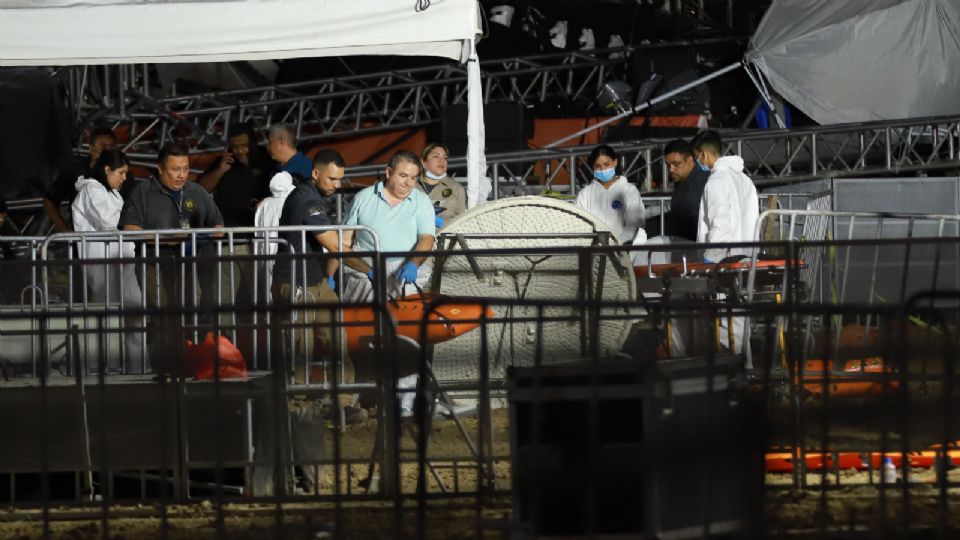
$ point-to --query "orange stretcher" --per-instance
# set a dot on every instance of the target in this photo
(445, 322)
(846, 384)
(702, 268)
(783, 462)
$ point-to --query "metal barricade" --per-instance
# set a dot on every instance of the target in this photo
(623, 430)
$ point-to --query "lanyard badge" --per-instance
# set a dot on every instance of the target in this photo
(177, 198)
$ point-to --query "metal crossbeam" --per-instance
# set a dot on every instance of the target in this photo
(771, 157)
(336, 106)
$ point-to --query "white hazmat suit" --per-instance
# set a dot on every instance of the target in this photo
(729, 209)
(619, 207)
(268, 215)
(96, 208)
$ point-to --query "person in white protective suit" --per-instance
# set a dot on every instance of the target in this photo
(729, 210)
(611, 197)
(97, 207)
(268, 215)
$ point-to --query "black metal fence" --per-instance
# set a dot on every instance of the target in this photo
(669, 432)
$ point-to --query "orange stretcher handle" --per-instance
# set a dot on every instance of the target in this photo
(676, 269)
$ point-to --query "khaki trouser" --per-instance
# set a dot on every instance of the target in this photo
(313, 343)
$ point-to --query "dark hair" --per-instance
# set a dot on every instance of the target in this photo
(113, 158)
(243, 128)
(101, 131)
(256, 153)
(176, 149)
(605, 150)
(327, 156)
(678, 146)
(404, 155)
(431, 147)
(297, 178)
(708, 140)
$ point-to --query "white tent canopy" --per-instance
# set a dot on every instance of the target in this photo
(67, 32)
(85, 32)
(862, 60)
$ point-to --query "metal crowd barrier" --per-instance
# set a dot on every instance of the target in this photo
(768, 448)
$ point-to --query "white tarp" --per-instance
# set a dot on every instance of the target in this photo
(68, 32)
(862, 60)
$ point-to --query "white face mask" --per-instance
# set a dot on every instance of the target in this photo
(432, 175)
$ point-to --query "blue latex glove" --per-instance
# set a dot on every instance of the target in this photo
(370, 274)
(332, 283)
(407, 273)
(438, 221)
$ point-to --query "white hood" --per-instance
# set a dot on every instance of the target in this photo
(281, 184)
(82, 181)
(734, 163)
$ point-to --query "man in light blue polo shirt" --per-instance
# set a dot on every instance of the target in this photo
(404, 221)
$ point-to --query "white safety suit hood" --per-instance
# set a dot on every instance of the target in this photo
(734, 163)
(281, 184)
(82, 181)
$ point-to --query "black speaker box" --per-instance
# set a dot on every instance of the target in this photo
(632, 449)
(507, 127)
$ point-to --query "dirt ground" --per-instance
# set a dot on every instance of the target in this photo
(846, 502)
(456, 518)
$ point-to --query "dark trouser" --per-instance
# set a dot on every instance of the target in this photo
(675, 224)
(170, 286)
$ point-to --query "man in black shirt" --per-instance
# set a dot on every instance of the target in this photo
(304, 279)
(237, 180)
(688, 180)
(172, 202)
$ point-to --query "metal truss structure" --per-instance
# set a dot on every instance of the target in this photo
(124, 96)
(336, 106)
(771, 157)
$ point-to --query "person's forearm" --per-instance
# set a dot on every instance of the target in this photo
(425, 244)
(53, 212)
(356, 263)
(332, 265)
(210, 180)
(332, 244)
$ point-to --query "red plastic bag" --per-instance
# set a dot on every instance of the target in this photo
(201, 359)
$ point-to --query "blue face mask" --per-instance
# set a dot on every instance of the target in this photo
(703, 167)
(604, 175)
